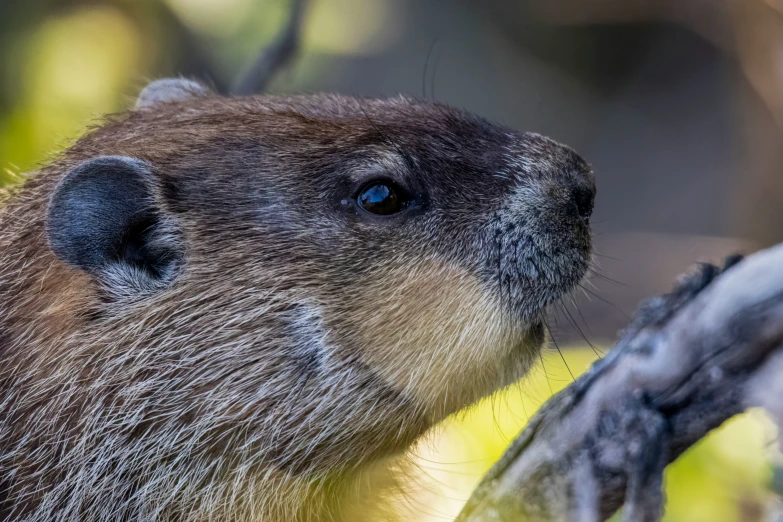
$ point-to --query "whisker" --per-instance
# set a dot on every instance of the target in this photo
(559, 351)
(543, 368)
(432, 76)
(385, 136)
(605, 256)
(426, 66)
(592, 273)
(573, 323)
(604, 300)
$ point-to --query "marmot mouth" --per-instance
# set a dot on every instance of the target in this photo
(530, 273)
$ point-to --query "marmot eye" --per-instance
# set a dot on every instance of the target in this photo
(382, 198)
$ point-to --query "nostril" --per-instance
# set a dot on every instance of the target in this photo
(584, 197)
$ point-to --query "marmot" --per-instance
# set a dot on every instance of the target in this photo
(247, 308)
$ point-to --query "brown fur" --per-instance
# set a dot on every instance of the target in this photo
(303, 345)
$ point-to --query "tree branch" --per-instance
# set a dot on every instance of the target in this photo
(689, 361)
(274, 57)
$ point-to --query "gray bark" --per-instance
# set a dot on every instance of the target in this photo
(689, 361)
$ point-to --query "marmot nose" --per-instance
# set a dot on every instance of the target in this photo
(583, 195)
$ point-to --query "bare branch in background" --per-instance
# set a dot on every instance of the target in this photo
(689, 361)
(274, 57)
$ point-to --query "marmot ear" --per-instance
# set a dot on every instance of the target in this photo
(104, 219)
(168, 90)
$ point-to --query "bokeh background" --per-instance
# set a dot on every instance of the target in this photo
(678, 104)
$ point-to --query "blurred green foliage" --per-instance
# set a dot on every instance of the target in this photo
(65, 64)
(67, 81)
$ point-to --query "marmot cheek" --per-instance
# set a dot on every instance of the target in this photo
(439, 335)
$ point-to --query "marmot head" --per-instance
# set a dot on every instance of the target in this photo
(301, 272)
(420, 241)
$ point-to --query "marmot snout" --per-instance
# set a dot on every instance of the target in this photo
(241, 309)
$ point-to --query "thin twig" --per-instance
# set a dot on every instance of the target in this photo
(274, 57)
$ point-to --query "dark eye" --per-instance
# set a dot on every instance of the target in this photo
(382, 198)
